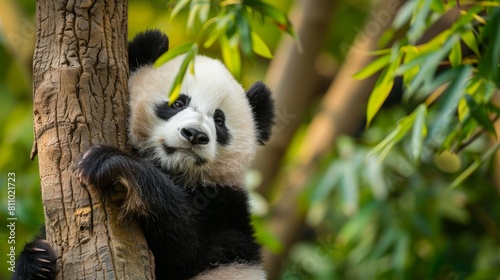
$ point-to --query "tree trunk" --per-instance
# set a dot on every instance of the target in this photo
(80, 99)
(342, 112)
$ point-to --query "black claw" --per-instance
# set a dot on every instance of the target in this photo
(43, 260)
(37, 261)
(39, 250)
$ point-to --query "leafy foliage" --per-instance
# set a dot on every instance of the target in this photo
(389, 219)
(449, 79)
(231, 26)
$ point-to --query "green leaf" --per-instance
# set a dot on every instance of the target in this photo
(400, 256)
(375, 178)
(267, 237)
(179, 6)
(470, 40)
(327, 183)
(349, 189)
(260, 47)
(385, 146)
(231, 54)
(223, 23)
(419, 132)
(373, 67)
(277, 17)
(411, 53)
(429, 67)
(455, 55)
(480, 113)
(193, 11)
(382, 88)
(172, 53)
(353, 228)
(388, 239)
(489, 64)
(177, 85)
(404, 14)
(204, 9)
(418, 25)
(245, 33)
(449, 102)
(473, 167)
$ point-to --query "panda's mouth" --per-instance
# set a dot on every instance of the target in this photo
(172, 150)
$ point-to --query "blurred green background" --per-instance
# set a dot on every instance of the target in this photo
(362, 218)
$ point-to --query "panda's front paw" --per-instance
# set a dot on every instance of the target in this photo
(37, 261)
(99, 165)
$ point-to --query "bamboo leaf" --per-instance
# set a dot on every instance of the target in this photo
(245, 34)
(449, 102)
(327, 183)
(419, 132)
(177, 85)
(470, 41)
(349, 189)
(222, 24)
(179, 6)
(404, 14)
(373, 67)
(382, 88)
(488, 66)
(429, 67)
(204, 10)
(473, 167)
(455, 55)
(418, 25)
(231, 54)
(172, 53)
(385, 146)
(193, 11)
(260, 47)
(480, 114)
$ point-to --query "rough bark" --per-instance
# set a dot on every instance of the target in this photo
(80, 99)
(342, 112)
(293, 78)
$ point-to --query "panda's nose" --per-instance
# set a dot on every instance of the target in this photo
(195, 136)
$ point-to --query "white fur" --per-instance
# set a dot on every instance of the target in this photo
(211, 87)
(232, 272)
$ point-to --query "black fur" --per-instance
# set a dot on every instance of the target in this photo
(223, 135)
(37, 261)
(165, 111)
(262, 105)
(146, 48)
(189, 228)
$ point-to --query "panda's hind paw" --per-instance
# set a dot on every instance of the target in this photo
(37, 261)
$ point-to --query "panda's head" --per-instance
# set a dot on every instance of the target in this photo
(210, 133)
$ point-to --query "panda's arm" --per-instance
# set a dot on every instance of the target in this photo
(151, 194)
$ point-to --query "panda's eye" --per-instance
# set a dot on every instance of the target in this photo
(179, 104)
(219, 121)
(219, 117)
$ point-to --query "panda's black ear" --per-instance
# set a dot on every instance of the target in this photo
(145, 48)
(262, 104)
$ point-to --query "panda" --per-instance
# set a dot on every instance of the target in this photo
(184, 176)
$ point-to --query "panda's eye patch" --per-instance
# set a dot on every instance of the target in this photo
(219, 117)
(223, 135)
(165, 112)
